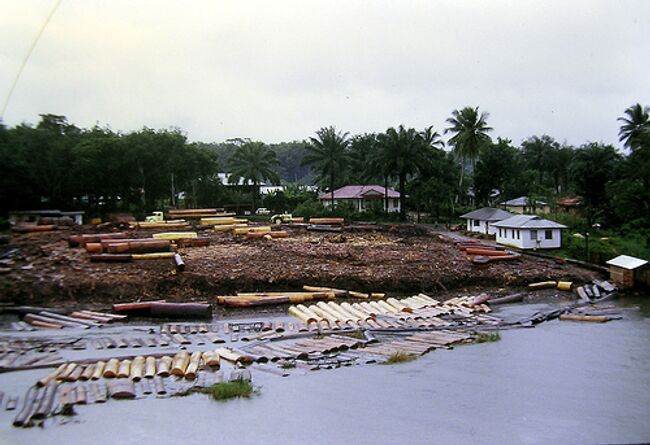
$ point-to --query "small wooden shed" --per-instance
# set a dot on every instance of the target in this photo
(626, 270)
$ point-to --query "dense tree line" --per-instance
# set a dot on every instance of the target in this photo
(56, 164)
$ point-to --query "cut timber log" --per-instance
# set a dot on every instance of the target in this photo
(143, 306)
(51, 376)
(180, 363)
(52, 321)
(82, 240)
(542, 285)
(339, 221)
(485, 252)
(193, 366)
(164, 366)
(139, 246)
(233, 356)
(507, 299)
(582, 294)
(178, 261)
(565, 286)
(152, 256)
(111, 258)
(121, 389)
(174, 235)
(590, 318)
(181, 310)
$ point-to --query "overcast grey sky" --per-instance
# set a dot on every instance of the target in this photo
(279, 70)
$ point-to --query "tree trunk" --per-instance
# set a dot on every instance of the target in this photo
(332, 187)
(386, 194)
(173, 191)
(402, 198)
(462, 174)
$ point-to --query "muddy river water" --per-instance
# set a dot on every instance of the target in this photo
(560, 382)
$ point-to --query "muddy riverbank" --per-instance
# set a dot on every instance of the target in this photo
(397, 259)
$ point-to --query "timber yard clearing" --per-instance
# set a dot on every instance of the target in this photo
(377, 258)
(251, 318)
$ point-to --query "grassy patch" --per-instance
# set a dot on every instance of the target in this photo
(287, 365)
(400, 357)
(231, 390)
(223, 391)
(356, 334)
(488, 337)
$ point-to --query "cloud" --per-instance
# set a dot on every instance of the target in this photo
(279, 70)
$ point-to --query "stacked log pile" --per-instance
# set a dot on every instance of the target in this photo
(481, 253)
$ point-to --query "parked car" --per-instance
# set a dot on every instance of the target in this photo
(262, 211)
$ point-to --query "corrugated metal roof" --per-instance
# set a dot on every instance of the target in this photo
(487, 214)
(523, 201)
(627, 262)
(359, 191)
(529, 222)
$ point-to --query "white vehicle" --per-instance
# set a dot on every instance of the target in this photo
(262, 211)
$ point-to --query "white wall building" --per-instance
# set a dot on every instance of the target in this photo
(529, 232)
(482, 220)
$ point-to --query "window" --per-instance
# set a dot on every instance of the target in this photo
(518, 234)
(395, 202)
(476, 223)
(533, 235)
(500, 232)
(548, 234)
(513, 233)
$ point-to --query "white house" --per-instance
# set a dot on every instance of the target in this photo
(362, 197)
(529, 232)
(524, 204)
(482, 220)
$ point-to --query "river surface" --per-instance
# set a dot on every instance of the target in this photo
(560, 382)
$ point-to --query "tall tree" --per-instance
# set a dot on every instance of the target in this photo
(635, 122)
(327, 154)
(253, 162)
(404, 152)
(469, 131)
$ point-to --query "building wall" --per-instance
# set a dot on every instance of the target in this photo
(480, 226)
(530, 239)
(527, 210)
(361, 205)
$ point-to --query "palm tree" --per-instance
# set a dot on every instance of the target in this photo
(469, 129)
(253, 162)
(635, 122)
(327, 154)
(403, 152)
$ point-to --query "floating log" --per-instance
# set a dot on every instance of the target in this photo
(98, 390)
(46, 322)
(164, 366)
(339, 221)
(69, 319)
(137, 368)
(47, 402)
(565, 286)
(87, 373)
(85, 316)
(111, 369)
(27, 408)
(324, 228)
(583, 294)
(70, 367)
(507, 299)
(180, 363)
(181, 310)
(605, 285)
(589, 318)
(233, 356)
(159, 384)
(80, 395)
(98, 370)
(212, 359)
(51, 376)
(143, 306)
(193, 366)
(121, 389)
(124, 370)
(542, 285)
(105, 315)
